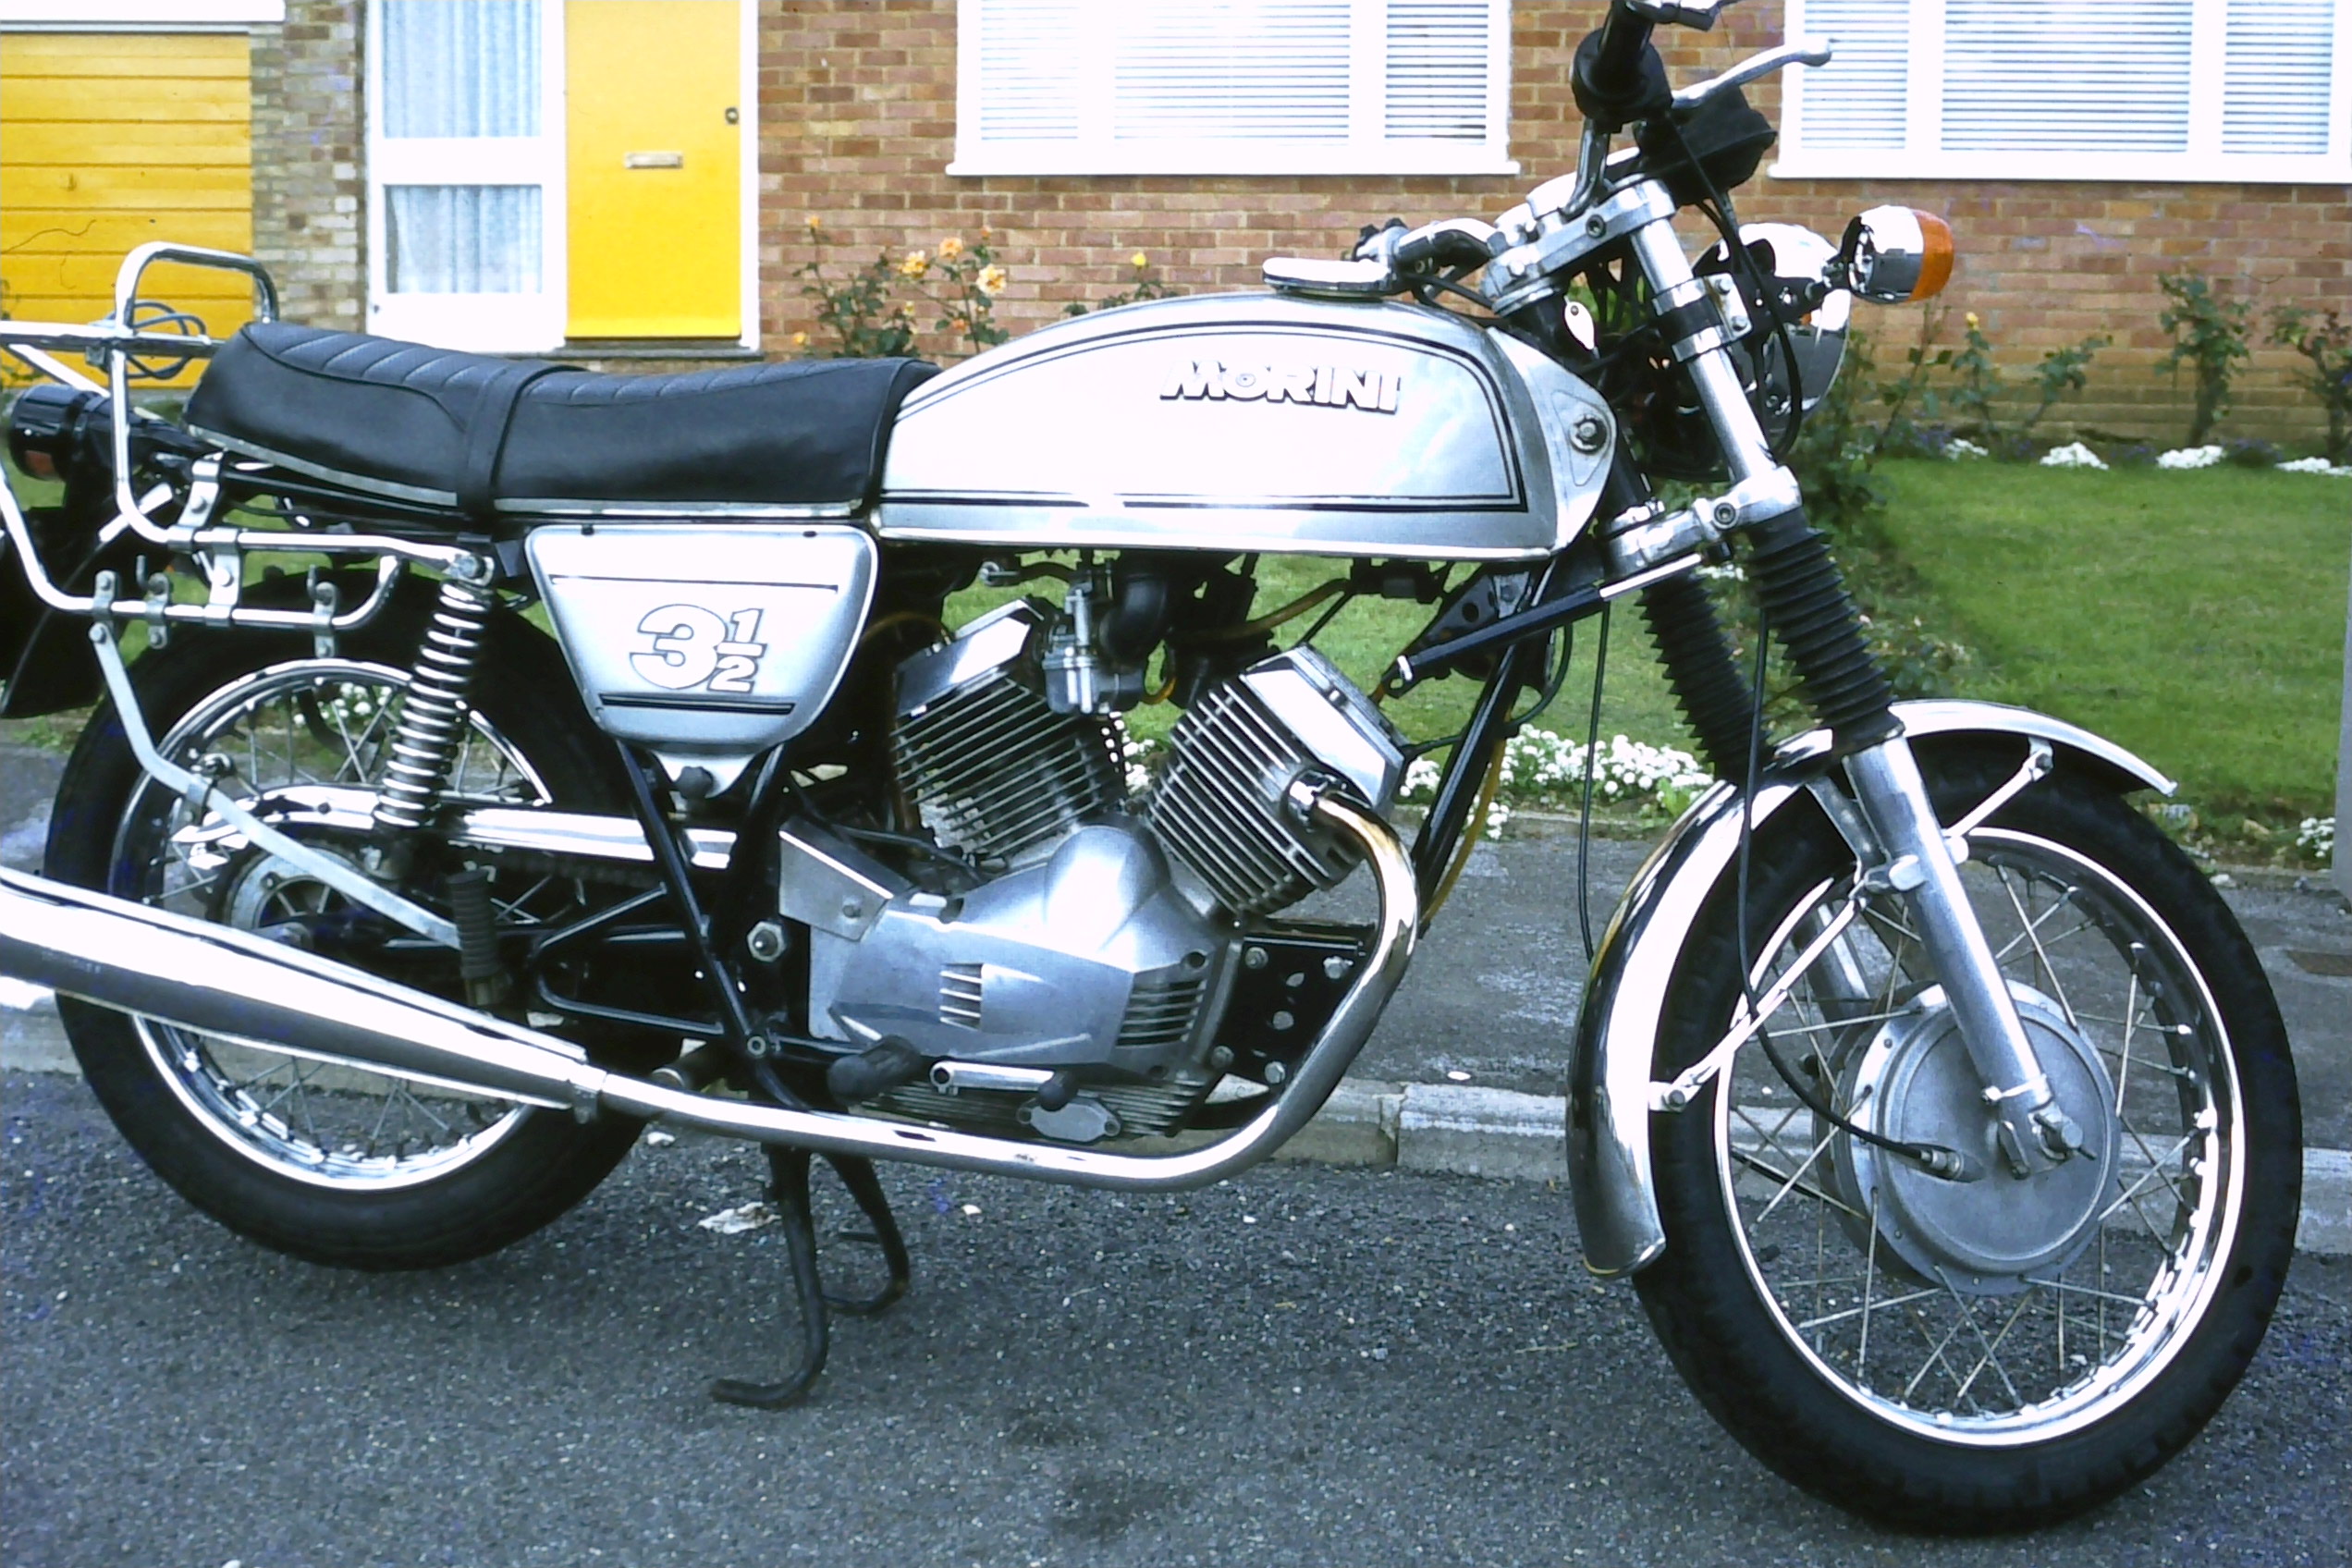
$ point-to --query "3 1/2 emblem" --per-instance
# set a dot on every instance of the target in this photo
(693, 646)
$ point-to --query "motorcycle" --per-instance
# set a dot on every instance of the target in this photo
(602, 756)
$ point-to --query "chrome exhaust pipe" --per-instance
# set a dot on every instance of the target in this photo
(221, 981)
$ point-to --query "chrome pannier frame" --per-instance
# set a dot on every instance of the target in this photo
(219, 551)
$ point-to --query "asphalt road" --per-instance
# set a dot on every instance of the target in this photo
(1308, 1366)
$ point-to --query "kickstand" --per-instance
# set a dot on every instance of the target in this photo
(790, 1189)
(858, 1176)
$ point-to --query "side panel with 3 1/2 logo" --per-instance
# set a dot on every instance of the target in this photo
(709, 640)
(694, 647)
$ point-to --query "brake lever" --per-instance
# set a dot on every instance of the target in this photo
(1797, 52)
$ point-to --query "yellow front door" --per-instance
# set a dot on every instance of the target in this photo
(654, 162)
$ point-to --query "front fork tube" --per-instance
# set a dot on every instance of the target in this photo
(1915, 858)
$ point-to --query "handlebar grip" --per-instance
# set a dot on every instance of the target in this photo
(1617, 57)
(1618, 77)
(1444, 248)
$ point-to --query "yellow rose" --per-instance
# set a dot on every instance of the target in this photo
(992, 281)
(1971, 319)
(915, 265)
(951, 248)
(1139, 260)
(814, 222)
(799, 340)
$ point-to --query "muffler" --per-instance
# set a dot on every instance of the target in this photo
(222, 981)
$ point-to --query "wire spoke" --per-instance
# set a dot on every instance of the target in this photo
(1992, 1348)
(2042, 954)
(1883, 1303)
(1794, 1184)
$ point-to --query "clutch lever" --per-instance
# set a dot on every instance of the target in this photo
(1797, 52)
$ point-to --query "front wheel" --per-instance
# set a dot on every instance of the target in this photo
(1998, 1353)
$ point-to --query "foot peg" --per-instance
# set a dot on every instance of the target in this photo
(874, 1072)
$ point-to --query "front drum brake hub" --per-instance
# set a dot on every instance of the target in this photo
(1912, 1081)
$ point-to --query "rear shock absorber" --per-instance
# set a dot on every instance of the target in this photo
(430, 729)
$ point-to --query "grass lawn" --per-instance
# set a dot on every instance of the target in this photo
(2196, 616)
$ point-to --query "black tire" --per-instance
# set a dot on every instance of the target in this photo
(1768, 1313)
(297, 1178)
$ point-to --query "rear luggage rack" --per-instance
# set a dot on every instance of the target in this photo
(218, 550)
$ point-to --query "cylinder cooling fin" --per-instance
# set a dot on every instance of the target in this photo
(995, 770)
(1219, 809)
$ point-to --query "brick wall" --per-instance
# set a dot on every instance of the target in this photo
(310, 186)
(858, 124)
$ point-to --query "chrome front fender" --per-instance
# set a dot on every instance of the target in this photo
(1609, 1078)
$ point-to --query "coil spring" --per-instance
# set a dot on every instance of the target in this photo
(430, 729)
(1803, 592)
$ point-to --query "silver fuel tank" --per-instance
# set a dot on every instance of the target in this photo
(1252, 422)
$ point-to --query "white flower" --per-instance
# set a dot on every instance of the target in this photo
(2317, 836)
(2317, 465)
(1958, 448)
(1730, 572)
(2074, 454)
(2190, 457)
(1137, 757)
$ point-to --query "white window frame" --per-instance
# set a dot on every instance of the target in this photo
(1922, 156)
(1365, 151)
(528, 324)
(491, 323)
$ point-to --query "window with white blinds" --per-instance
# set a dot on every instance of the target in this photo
(1233, 87)
(2202, 90)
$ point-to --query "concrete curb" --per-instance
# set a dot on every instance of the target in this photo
(1450, 1129)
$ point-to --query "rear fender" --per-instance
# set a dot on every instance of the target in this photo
(1609, 1079)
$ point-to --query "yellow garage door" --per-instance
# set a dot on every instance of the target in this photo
(107, 141)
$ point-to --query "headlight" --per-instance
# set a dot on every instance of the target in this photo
(1795, 264)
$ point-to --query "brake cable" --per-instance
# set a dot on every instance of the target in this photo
(1934, 1158)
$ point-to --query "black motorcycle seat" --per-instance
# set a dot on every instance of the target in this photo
(487, 434)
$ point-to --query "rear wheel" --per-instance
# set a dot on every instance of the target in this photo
(1996, 1352)
(325, 1161)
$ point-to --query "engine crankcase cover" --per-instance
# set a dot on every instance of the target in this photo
(1252, 422)
(1087, 958)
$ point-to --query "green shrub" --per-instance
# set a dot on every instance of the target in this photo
(2208, 335)
(2326, 341)
(869, 314)
(1144, 286)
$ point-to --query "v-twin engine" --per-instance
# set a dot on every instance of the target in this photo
(1068, 975)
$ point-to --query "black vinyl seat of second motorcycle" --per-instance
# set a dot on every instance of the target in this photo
(403, 420)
